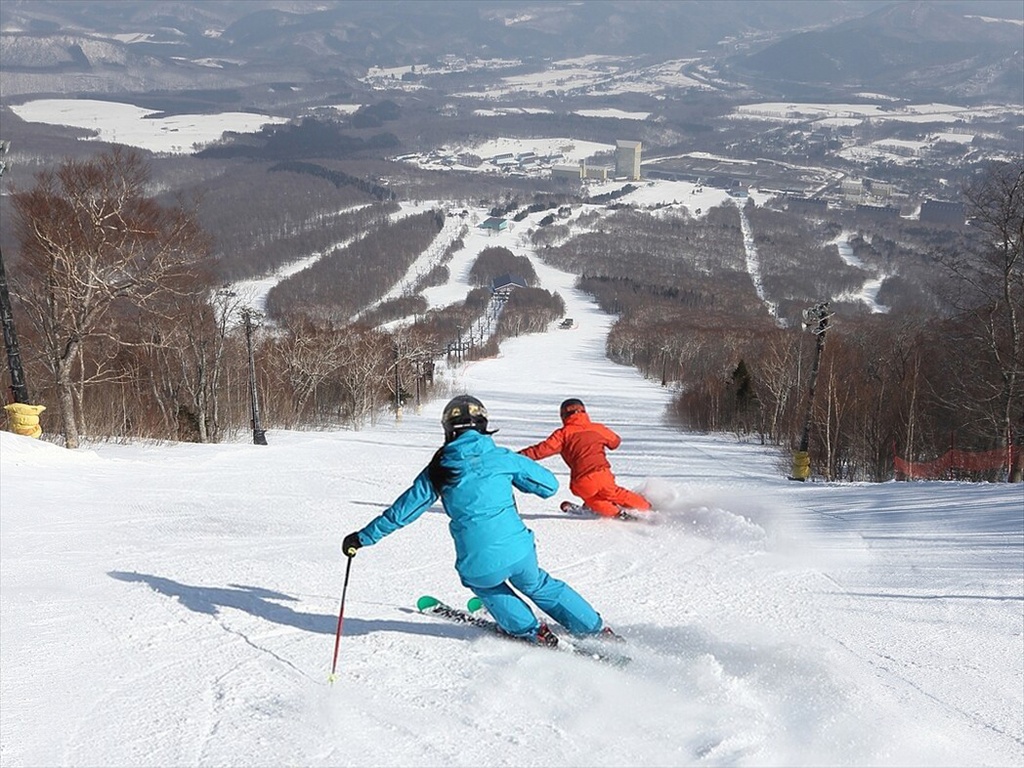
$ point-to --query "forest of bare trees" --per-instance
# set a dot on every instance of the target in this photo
(492, 263)
(129, 334)
(105, 269)
(348, 278)
(942, 368)
(128, 331)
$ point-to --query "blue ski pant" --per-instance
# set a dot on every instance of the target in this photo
(553, 596)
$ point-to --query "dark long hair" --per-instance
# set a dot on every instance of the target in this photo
(440, 475)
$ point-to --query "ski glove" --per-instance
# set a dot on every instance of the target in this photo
(350, 544)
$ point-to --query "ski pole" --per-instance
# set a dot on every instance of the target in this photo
(341, 620)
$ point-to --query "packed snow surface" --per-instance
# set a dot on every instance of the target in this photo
(134, 126)
(176, 604)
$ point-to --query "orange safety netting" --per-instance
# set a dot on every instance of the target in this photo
(964, 461)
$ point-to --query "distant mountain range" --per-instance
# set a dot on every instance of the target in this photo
(929, 49)
(953, 49)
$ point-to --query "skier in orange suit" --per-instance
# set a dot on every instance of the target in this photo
(582, 443)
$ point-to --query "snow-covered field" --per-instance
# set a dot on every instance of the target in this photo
(908, 113)
(176, 604)
(590, 75)
(965, 124)
(133, 126)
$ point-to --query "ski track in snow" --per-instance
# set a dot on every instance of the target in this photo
(869, 291)
(453, 227)
(176, 604)
(754, 265)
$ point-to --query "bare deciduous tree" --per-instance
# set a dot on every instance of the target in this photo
(364, 372)
(189, 345)
(988, 280)
(94, 242)
(309, 356)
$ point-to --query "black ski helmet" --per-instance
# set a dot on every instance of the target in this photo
(571, 406)
(463, 412)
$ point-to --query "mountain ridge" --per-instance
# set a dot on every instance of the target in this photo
(773, 44)
(914, 46)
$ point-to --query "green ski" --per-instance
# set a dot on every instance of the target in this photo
(431, 605)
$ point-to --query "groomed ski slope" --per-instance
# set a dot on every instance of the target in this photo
(176, 604)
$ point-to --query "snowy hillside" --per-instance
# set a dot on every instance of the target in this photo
(177, 604)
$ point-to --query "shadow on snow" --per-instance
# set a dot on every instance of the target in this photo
(263, 604)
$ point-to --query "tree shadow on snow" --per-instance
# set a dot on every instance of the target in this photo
(262, 603)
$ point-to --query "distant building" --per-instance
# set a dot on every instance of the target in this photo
(877, 213)
(505, 160)
(566, 172)
(627, 159)
(598, 172)
(852, 189)
(882, 188)
(493, 224)
(505, 284)
(807, 205)
(942, 213)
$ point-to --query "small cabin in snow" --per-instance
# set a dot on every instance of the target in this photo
(505, 284)
(494, 224)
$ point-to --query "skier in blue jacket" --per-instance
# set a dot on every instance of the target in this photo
(495, 554)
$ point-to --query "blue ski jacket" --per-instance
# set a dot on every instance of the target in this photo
(489, 535)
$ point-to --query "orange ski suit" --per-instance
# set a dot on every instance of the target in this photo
(581, 443)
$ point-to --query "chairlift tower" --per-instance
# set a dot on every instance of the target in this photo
(259, 435)
(815, 319)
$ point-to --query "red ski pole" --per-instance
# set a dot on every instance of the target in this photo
(341, 620)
